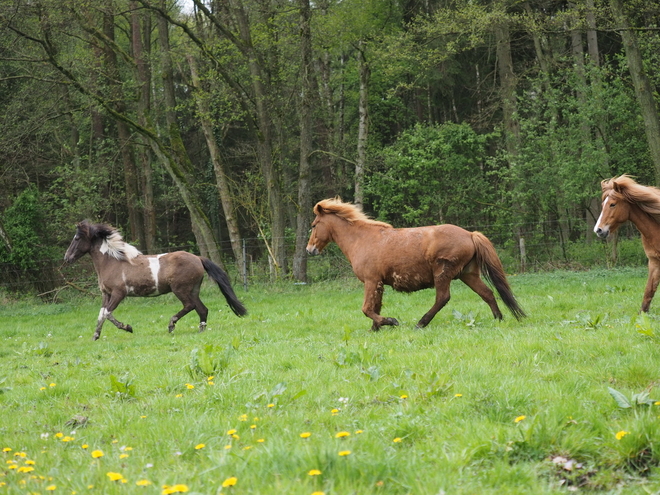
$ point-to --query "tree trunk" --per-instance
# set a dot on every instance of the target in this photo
(218, 164)
(304, 171)
(179, 165)
(363, 128)
(260, 82)
(643, 87)
(507, 89)
(141, 26)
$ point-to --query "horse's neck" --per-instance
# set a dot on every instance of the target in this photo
(346, 236)
(645, 223)
(100, 260)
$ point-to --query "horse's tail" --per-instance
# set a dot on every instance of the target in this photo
(493, 271)
(222, 279)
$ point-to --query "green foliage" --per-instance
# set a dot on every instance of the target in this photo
(209, 360)
(639, 399)
(432, 174)
(122, 388)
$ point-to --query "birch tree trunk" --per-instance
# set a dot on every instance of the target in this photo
(363, 129)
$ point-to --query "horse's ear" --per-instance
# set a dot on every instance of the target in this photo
(617, 187)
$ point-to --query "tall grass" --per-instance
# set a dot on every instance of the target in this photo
(466, 405)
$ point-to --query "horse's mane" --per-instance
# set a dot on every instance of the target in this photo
(113, 243)
(646, 197)
(348, 211)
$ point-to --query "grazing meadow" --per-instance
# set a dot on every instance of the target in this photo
(299, 397)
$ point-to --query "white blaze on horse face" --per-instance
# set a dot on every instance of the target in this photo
(154, 266)
(602, 231)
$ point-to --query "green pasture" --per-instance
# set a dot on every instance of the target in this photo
(299, 397)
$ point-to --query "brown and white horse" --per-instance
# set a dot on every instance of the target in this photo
(623, 200)
(410, 259)
(123, 271)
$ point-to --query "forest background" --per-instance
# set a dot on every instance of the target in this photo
(215, 126)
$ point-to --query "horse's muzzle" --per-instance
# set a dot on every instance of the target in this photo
(313, 251)
(602, 233)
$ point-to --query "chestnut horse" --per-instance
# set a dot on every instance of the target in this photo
(123, 271)
(624, 199)
(410, 259)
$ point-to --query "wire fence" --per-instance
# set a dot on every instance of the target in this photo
(48, 277)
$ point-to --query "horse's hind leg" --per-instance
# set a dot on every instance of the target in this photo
(190, 300)
(471, 278)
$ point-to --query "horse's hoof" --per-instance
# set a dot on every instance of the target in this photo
(95, 337)
(391, 321)
(129, 329)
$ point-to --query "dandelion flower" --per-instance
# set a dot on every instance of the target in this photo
(115, 476)
(59, 434)
(314, 472)
(68, 439)
(342, 434)
(97, 453)
(126, 449)
(52, 384)
(397, 440)
(42, 388)
(229, 482)
(271, 405)
(620, 434)
(404, 396)
(335, 411)
(123, 456)
(519, 419)
(243, 417)
(358, 432)
(344, 453)
(458, 395)
(200, 446)
(25, 469)
(189, 386)
(318, 493)
(252, 427)
(143, 483)
(261, 440)
(231, 432)
(178, 395)
(305, 434)
(174, 489)
(227, 447)
(51, 488)
(6, 449)
(84, 446)
(30, 462)
(142, 417)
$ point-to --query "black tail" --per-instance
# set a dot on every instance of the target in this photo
(221, 278)
(493, 271)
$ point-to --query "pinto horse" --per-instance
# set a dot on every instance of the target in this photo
(410, 259)
(123, 271)
(624, 199)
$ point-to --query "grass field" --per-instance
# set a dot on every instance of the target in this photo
(299, 397)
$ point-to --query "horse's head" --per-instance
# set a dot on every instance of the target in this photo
(321, 234)
(615, 208)
(81, 243)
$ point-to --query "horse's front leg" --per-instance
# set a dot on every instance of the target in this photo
(651, 283)
(110, 303)
(373, 301)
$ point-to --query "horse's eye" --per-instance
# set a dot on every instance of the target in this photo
(76, 237)
(612, 205)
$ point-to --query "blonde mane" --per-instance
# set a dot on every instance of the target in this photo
(347, 211)
(624, 187)
(115, 246)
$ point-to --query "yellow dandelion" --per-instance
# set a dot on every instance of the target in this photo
(358, 432)
(68, 439)
(30, 462)
(344, 453)
(243, 417)
(20, 454)
(52, 384)
(235, 436)
(51, 488)
(126, 449)
(231, 432)
(229, 482)
(123, 456)
(620, 434)
(59, 434)
(261, 440)
(142, 417)
(178, 395)
(114, 476)
(211, 383)
(200, 446)
(397, 440)
(180, 488)
(314, 472)
(342, 434)
(189, 386)
(318, 493)
(6, 449)
(247, 447)
(42, 388)
(97, 453)
(334, 411)
(519, 419)
(143, 483)
(227, 447)
(404, 396)
(458, 395)
(84, 446)
(271, 405)
(115, 441)
(252, 427)
(25, 469)
(656, 403)
(13, 466)
(210, 378)
(305, 434)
